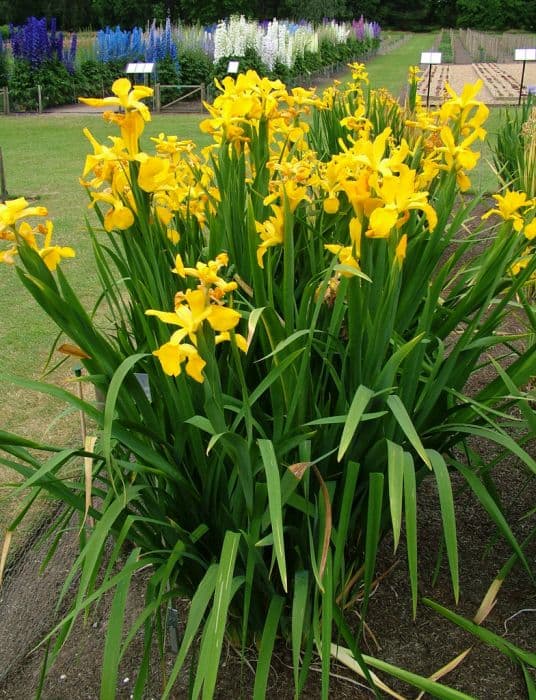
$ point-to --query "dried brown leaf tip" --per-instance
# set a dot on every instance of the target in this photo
(299, 469)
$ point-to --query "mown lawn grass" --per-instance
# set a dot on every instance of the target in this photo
(390, 70)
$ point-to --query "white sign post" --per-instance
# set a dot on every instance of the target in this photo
(232, 67)
(430, 58)
(144, 69)
(524, 55)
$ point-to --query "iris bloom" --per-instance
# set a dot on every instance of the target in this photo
(136, 113)
(399, 196)
(172, 355)
(127, 97)
(154, 174)
(459, 157)
(522, 262)
(530, 230)
(192, 309)
(346, 256)
(118, 216)
(271, 231)
(15, 209)
(509, 205)
(52, 254)
(465, 108)
(207, 273)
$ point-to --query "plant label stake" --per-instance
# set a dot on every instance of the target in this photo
(78, 374)
(430, 58)
(524, 55)
(3, 187)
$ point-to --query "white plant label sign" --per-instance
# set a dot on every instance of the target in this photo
(525, 55)
(431, 57)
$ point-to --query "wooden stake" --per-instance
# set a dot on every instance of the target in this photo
(3, 188)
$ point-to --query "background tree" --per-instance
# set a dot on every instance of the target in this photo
(396, 14)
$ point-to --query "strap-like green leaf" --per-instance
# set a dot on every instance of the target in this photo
(112, 645)
(357, 408)
(111, 399)
(493, 511)
(374, 518)
(299, 606)
(327, 624)
(211, 647)
(435, 689)
(511, 650)
(410, 512)
(348, 491)
(273, 484)
(448, 516)
(198, 606)
(395, 471)
(404, 421)
(267, 647)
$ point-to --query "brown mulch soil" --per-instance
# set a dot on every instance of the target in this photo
(27, 611)
(422, 646)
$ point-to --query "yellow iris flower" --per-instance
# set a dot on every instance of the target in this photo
(206, 273)
(399, 196)
(154, 174)
(172, 355)
(15, 209)
(271, 231)
(509, 205)
(192, 309)
(52, 254)
(127, 97)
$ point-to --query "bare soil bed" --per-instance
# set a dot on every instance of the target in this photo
(501, 80)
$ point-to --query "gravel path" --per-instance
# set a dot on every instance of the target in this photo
(460, 53)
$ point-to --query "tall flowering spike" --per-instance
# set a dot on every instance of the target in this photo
(33, 43)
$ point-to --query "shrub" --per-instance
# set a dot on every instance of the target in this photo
(22, 87)
(307, 64)
(168, 73)
(40, 59)
(97, 77)
(281, 72)
(57, 84)
(196, 67)
(4, 69)
(307, 310)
